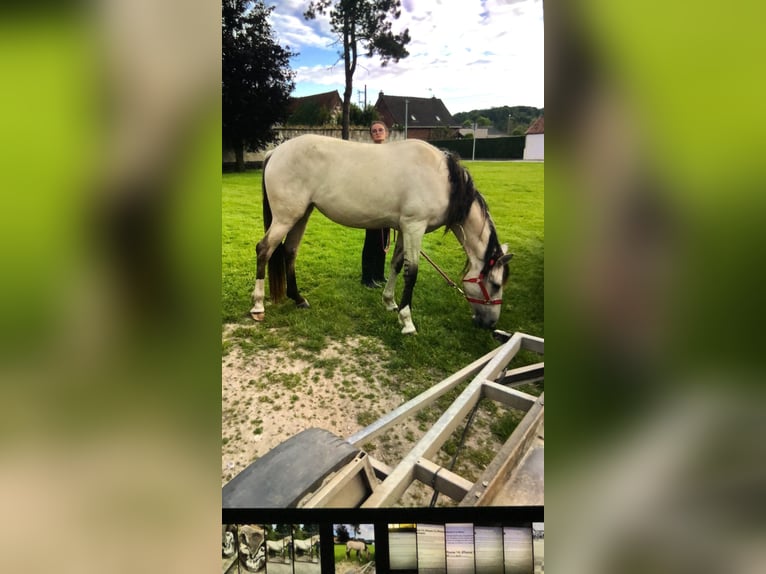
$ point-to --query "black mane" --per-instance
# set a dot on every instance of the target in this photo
(463, 194)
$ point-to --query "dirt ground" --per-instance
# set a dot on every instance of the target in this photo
(270, 395)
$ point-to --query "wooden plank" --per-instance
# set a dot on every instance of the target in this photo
(512, 398)
(347, 489)
(424, 399)
(447, 482)
(507, 458)
(392, 488)
(523, 375)
(380, 468)
(532, 343)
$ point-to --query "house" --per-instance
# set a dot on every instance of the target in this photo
(534, 143)
(316, 109)
(425, 118)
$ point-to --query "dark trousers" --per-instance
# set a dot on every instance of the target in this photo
(374, 255)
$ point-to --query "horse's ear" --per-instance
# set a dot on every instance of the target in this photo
(505, 258)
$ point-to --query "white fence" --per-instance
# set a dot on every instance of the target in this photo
(355, 134)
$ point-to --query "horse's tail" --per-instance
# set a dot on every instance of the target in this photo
(277, 267)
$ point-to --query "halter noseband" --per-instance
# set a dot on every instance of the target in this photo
(480, 282)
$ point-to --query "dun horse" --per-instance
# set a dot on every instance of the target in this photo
(359, 546)
(279, 546)
(307, 546)
(409, 185)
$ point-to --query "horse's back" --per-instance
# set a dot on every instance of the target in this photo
(360, 184)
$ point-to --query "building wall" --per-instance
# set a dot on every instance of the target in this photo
(355, 134)
(534, 148)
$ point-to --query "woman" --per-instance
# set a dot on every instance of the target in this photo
(376, 241)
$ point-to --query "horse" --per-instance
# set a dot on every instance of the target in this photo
(228, 535)
(278, 546)
(408, 185)
(359, 546)
(307, 545)
(251, 550)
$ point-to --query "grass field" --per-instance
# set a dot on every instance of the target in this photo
(328, 272)
(340, 553)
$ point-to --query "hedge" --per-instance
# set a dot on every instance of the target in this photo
(511, 147)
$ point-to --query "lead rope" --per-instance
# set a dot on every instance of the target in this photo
(449, 281)
(385, 239)
(457, 451)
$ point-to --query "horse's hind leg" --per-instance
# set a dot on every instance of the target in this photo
(397, 260)
(292, 242)
(264, 250)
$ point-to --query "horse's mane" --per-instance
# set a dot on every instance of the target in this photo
(463, 194)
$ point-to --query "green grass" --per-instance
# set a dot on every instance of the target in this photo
(340, 553)
(328, 273)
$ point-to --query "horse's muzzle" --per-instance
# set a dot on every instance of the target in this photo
(484, 322)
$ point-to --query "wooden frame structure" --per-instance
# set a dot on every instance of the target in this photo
(340, 474)
(491, 380)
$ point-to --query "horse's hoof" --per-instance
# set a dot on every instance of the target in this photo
(303, 305)
(409, 330)
(257, 316)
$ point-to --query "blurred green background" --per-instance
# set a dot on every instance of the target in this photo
(111, 285)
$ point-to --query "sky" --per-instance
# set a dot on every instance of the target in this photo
(471, 54)
(368, 531)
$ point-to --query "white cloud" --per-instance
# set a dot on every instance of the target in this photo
(295, 32)
(480, 54)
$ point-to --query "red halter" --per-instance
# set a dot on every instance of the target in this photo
(487, 300)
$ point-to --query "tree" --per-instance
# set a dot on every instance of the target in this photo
(521, 117)
(363, 117)
(256, 78)
(342, 533)
(365, 23)
(310, 114)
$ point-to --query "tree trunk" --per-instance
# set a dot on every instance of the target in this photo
(239, 154)
(349, 67)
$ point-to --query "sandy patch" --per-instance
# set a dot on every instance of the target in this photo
(270, 395)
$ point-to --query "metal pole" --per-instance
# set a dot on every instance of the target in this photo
(406, 115)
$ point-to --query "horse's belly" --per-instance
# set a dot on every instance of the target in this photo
(362, 218)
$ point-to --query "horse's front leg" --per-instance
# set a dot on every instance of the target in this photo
(412, 241)
(405, 312)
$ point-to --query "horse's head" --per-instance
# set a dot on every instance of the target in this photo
(485, 291)
(250, 540)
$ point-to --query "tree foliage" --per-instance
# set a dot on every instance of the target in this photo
(311, 114)
(342, 533)
(521, 118)
(365, 24)
(256, 78)
(363, 117)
